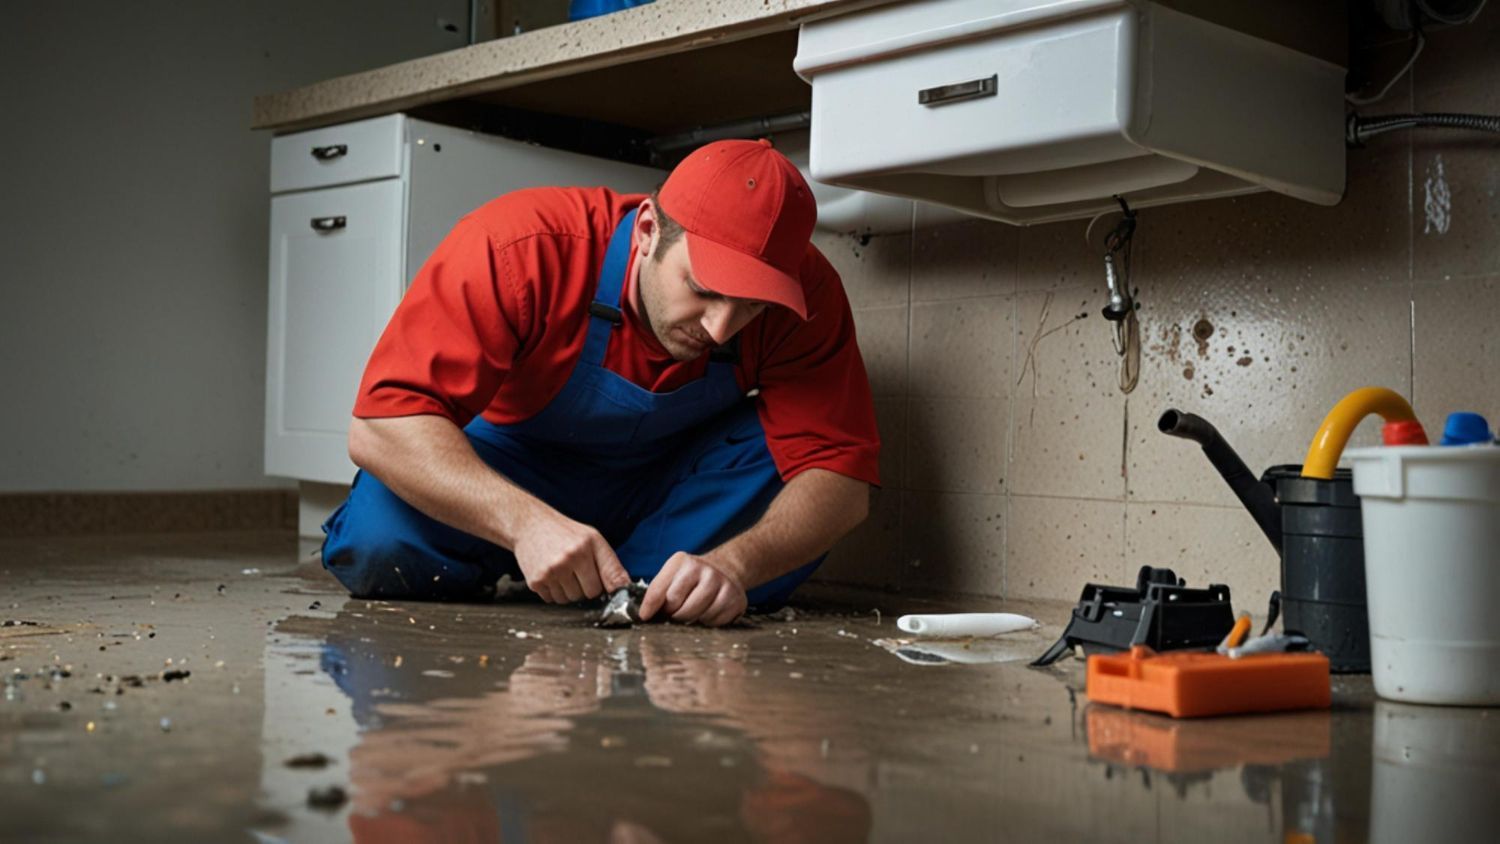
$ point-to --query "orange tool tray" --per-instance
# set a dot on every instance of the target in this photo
(1187, 684)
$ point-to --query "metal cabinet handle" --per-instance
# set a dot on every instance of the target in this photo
(328, 224)
(330, 152)
(959, 91)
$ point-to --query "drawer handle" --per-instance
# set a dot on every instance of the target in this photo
(330, 152)
(959, 91)
(328, 224)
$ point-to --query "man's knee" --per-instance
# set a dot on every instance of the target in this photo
(369, 562)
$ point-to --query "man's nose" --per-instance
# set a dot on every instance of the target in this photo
(718, 321)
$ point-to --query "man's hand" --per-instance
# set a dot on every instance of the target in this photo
(566, 561)
(689, 589)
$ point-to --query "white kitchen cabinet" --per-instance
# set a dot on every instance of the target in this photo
(355, 211)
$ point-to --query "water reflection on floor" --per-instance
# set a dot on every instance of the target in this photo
(519, 722)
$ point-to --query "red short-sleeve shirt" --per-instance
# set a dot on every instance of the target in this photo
(496, 319)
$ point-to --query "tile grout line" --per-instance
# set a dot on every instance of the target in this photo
(1125, 492)
(1010, 414)
(906, 404)
(1411, 242)
(1411, 252)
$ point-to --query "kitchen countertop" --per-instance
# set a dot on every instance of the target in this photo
(721, 60)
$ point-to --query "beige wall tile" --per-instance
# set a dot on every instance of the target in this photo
(1204, 545)
(1064, 346)
(1056, 545)
(968, 259)
(953, 542)
(1266, 240)
(1069, 446)
(1067, 415)
(883, 343)
(956, 445)
(962, 348)
(1457, 350)
(890, 418)
(1455, 219)
(1264, 365)
(876, 271)
(1455, 186)
(1056, 257)
(871, 554)
(1459, 57)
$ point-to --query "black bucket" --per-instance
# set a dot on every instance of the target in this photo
(1323, 565)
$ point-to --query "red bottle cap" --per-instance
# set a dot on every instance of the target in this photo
(1404, 432)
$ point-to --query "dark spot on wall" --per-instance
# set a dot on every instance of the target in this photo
(1245, 361)
(1187, 372)
(1202, 330)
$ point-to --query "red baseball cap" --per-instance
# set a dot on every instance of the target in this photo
(748, 216)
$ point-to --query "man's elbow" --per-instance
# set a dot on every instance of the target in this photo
(361, 443)
(859, 504)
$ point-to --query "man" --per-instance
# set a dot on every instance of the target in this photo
(581, 388)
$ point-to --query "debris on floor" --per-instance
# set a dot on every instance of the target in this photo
(327, 797)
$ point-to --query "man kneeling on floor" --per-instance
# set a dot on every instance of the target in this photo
(582, 388)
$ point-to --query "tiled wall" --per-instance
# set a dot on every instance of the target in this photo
(1014, 465)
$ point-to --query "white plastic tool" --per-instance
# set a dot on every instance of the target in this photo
(1432, 571)
(956, 625)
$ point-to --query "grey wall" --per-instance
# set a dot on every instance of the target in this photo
(134, 244)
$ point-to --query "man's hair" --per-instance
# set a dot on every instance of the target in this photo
(671, 232)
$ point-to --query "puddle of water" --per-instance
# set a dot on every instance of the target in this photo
(1012, 647)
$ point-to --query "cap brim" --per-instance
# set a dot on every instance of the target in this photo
(730, 272)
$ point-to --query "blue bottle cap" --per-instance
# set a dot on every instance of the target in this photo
(1464, 428)
(580, 9)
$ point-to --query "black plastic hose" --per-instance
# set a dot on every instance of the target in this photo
(1359, 128)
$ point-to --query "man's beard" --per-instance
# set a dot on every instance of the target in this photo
(661, 330)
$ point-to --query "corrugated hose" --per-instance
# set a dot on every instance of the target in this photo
(1359, 128)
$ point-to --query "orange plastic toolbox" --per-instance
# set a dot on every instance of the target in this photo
(1187, 684)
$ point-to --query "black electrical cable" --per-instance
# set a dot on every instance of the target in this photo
(1359, 129)
(1453, 13)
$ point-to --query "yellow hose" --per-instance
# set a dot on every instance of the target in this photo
(1328, 444)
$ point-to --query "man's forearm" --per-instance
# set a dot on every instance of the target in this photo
(812, 512)
(429, 463)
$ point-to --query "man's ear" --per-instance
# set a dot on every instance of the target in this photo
(646, 230)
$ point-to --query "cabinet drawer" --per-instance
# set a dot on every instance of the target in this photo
(337, 155)
(947, 109)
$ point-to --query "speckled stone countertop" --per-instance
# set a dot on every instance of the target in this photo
(661, 28)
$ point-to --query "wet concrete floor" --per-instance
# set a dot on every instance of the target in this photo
(207, 688)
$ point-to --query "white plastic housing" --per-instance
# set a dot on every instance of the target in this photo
(1063, 104)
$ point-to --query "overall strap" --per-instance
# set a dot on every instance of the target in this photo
(604, 311)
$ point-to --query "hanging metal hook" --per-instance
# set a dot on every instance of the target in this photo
(1121, 308)
(1121, 303)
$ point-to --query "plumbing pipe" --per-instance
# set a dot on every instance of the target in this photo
(1328, 444)
(954, 625)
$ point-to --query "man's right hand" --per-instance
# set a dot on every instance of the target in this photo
(565, 561)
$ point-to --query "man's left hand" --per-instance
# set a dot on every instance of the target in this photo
(689, 588)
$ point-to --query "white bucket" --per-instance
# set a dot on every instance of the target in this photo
(1436, 774)
(1432, 571)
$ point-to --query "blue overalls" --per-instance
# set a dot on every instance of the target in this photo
(655, 473)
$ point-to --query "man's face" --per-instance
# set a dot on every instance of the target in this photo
(687, 318)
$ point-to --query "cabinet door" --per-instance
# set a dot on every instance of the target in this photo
(336, 260)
